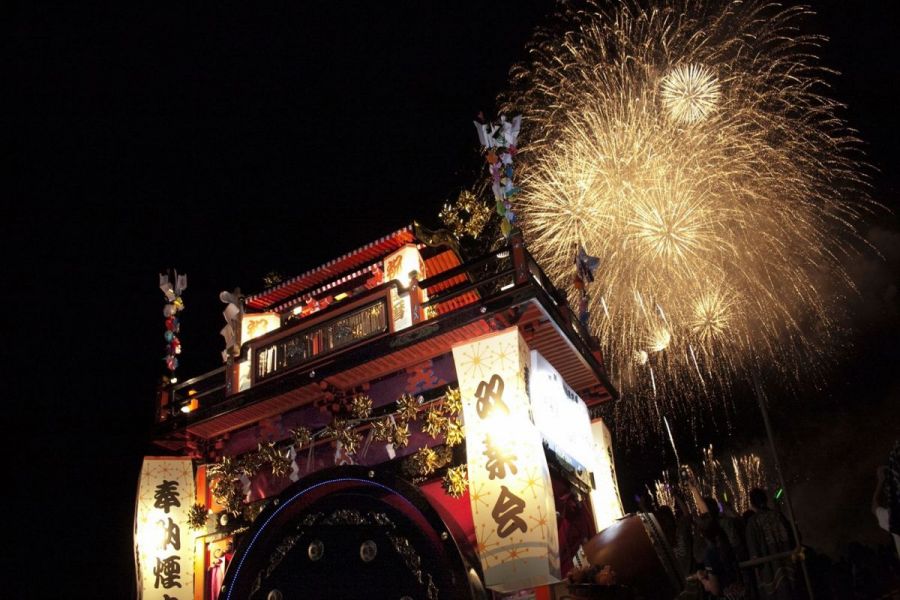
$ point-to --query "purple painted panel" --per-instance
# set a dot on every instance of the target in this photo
(414, 380)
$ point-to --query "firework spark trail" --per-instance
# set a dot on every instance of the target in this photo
(688, 146)
(717, 481)
(748, 474)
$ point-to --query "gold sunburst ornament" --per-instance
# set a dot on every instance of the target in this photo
(690, 93)
(382, 430)
(249, 464)
(455, 433)
(407, 407)
(400, 435)
(300, 436)
(361, 406)
(350, 440)
(197, 516)
(225, 468)
(427, 461)
(435, 422)
(452, 401)
(466, 216)
(345, 434)
(455, 481)
(278, 460)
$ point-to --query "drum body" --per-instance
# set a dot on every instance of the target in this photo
(638, 552)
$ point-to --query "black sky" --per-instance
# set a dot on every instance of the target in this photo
(233, 142)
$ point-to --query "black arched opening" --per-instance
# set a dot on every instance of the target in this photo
(351, 533)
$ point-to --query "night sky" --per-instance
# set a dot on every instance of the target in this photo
(232, 143)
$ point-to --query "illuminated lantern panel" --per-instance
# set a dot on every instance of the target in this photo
(399, 264)
(509, 483)
(397, 267)
(164, 545)
(253, 326)
(257, 324)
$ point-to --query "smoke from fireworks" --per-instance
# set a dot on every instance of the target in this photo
(690, 148)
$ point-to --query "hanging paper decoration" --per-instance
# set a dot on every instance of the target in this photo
(498, 142)
(172, 289)
(510, 490)
(585, 266)
(233, 313)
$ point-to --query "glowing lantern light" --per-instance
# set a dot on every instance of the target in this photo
(510, 490)
(164, 545)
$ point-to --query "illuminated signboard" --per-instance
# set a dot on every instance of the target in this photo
(164, 546)
(559, 413)
(254, 325)
(509, 484)
(606, 500)
(565, 424)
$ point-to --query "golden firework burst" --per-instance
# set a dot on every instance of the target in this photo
(659, 339)
(711, 314)
(690, 93)
(689, 148)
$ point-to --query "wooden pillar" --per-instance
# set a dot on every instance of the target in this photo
(520, 261)
(415, 297)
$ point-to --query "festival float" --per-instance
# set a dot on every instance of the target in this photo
(399, 422)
